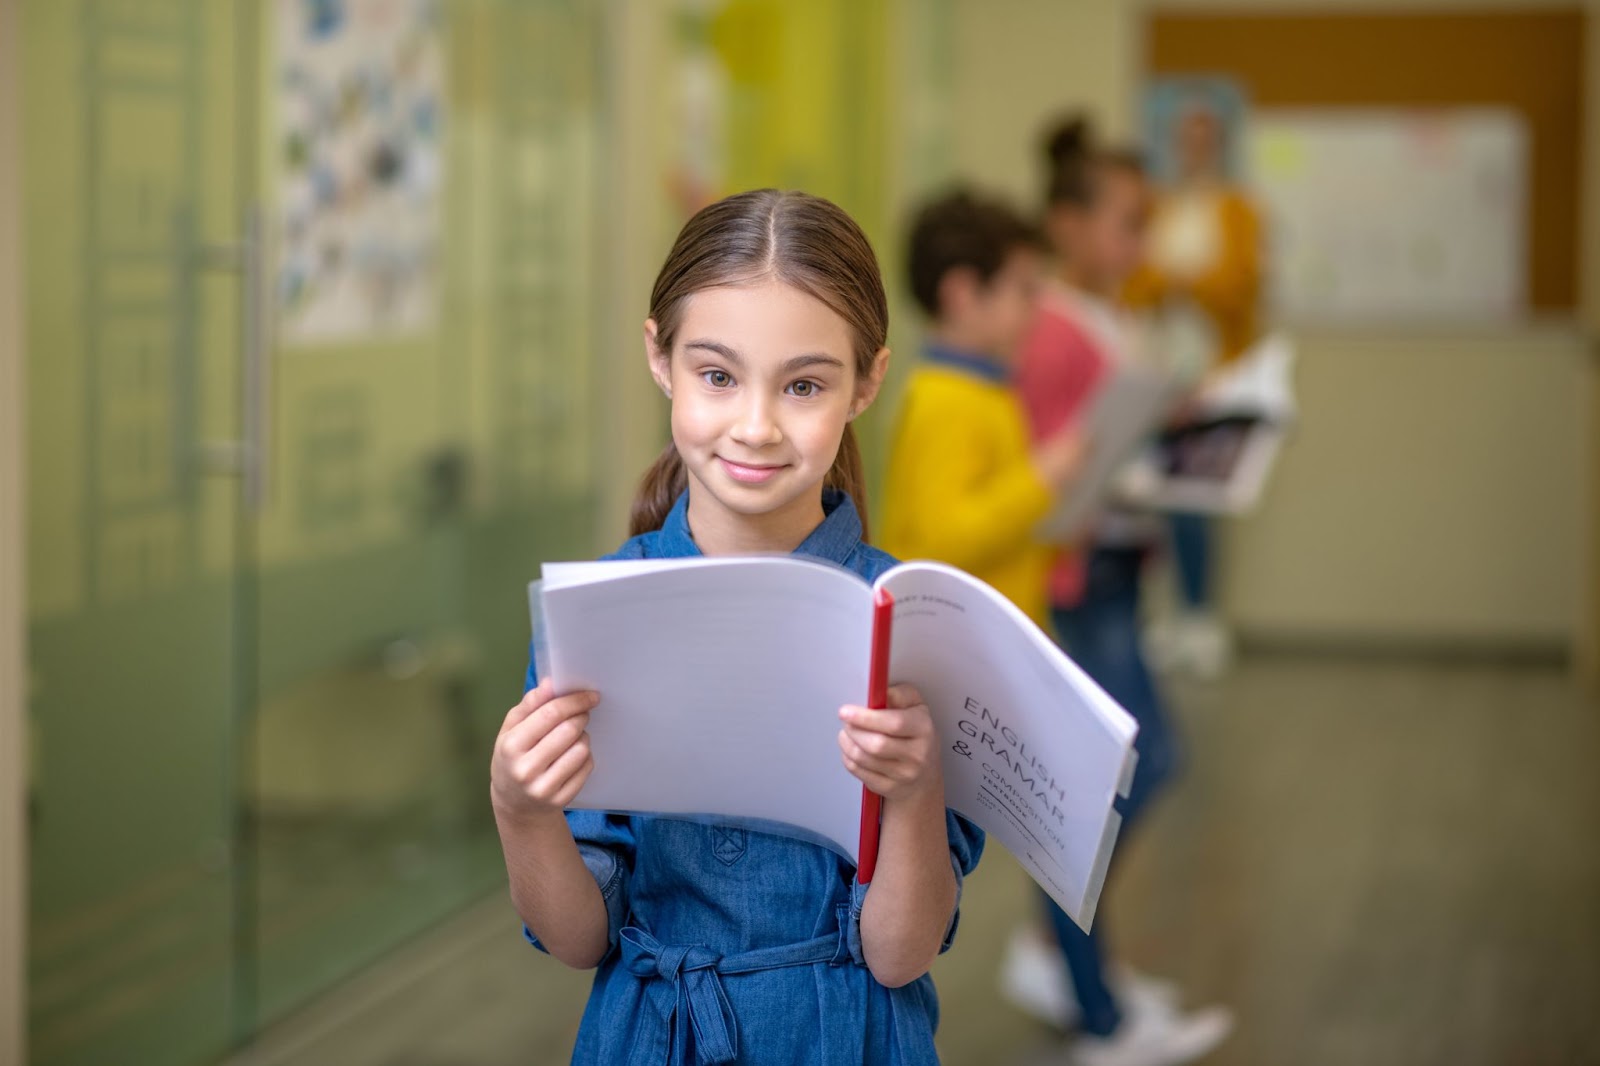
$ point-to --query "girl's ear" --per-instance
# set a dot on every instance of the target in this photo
(867, 388)
(660, 362)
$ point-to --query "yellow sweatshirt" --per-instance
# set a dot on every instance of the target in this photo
(961, 487)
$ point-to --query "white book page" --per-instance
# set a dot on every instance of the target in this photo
(720, 684)
(555, 575)
(1259, 382)
(1124, 411)
(1034, 751)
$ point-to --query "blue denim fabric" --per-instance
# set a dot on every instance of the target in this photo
(730, 945)
(1101, 633)
(1191, 551)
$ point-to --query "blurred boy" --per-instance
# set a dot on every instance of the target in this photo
(964, 485)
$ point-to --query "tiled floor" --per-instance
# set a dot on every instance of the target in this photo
(1371, 863)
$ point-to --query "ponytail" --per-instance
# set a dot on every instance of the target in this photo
(1075, 161)
(849, 477)
(667, 479)
(658, 490)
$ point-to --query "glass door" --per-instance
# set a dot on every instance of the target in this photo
(311, 392)
(133, 303)
(429, 176)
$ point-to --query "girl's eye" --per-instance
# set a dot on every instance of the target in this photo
(718, 379)
(804, 389)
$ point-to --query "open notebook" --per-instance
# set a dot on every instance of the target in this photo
(1127, 408)
(1220, 459)
(721, 678)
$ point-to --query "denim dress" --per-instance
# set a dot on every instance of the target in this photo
(735, 946)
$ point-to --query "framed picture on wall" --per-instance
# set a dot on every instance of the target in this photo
(1169, 101)
(359, 165)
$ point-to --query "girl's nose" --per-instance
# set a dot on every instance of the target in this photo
(756, 427)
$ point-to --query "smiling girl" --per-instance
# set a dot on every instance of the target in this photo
(715, 943)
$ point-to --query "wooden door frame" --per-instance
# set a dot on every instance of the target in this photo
(1588, 643)
(13, 687)
(1586, 639)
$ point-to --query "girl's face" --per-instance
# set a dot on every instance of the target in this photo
(1104, 242)
(1120, 214)
(762, 383)
(1199, 139)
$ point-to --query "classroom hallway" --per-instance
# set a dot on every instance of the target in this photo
(1371, 861)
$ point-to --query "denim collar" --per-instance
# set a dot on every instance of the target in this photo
(965, 362)
(834, 540)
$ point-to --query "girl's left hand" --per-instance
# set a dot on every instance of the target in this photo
(893, 751)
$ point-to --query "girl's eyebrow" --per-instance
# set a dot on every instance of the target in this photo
(789, 366)
(716, 346)
(799, 362)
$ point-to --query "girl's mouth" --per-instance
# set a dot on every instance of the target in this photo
(749, 473)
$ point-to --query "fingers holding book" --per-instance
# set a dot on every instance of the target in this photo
(1058, 458)
(892, 750)
(541, 757)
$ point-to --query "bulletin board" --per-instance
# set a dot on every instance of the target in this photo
(1392, 216)
(1528, 63)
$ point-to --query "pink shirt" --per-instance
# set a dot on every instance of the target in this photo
(1061, 364)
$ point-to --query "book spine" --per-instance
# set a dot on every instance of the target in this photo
(877, 697)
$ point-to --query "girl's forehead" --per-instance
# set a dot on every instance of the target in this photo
(767, 312)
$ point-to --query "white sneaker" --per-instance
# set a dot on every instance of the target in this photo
(1033, 978)
(1155, 1036)
(1132, 984)
(1162, 647)
(1206, 645)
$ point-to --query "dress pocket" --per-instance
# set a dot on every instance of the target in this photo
(728, 844)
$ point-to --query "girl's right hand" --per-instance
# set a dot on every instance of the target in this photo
(541, 758)
(1058, 458)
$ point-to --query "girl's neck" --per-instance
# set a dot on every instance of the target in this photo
(720, 531)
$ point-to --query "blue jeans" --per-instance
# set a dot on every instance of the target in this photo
(1101, 634)
(1191, 550)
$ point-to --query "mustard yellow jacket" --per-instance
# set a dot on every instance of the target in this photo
(961, 487)
(1229, 293)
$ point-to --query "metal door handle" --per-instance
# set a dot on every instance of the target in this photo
(255, 348)
(249, 457)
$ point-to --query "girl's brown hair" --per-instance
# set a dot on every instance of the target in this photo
(1075, 163)
(801, 240)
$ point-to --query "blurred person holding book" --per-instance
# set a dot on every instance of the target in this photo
(1097, 203)
(1201, 278)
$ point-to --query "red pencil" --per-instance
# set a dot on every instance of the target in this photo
(877, 698)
